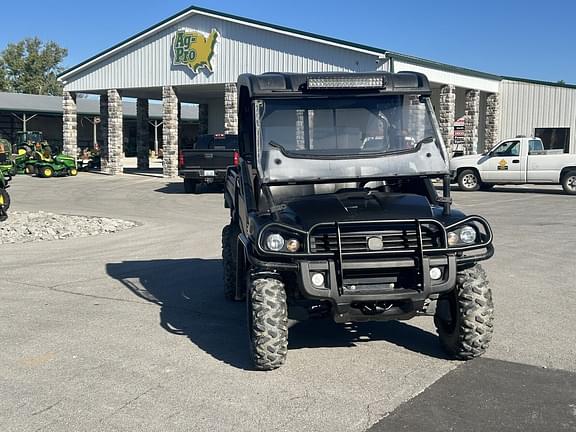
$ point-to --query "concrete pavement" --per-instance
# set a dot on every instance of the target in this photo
(130, 331)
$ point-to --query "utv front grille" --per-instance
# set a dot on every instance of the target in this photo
(375, 237)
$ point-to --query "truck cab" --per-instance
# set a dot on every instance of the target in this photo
(519, 160)
(333, 213)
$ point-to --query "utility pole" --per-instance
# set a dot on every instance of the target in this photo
(24, 119)
(94, 121)
(156, 125)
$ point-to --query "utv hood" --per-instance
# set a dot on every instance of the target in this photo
(306, 212)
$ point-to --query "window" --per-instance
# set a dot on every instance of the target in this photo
(535, 146)
(554, 138)
(508, 148)
(345, 126)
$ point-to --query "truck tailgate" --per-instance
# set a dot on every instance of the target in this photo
(207, 159)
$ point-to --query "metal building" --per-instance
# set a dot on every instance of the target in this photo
(197, 55)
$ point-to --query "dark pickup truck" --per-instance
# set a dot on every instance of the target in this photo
(207, 160)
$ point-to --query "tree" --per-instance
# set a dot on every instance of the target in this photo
(31, 66)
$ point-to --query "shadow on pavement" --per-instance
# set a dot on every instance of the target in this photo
(178, 188)
(512, 189)
(532, 190)
(190, 295)
(150, 172)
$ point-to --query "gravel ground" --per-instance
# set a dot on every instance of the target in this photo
(24, 227)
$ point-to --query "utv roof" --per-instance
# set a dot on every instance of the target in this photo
(276, 84)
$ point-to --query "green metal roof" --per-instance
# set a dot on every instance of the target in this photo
(442, 66)
(546, 83)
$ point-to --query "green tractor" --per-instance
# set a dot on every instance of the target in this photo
(26, 141)
(4, 198)
(7, 164)
(56, 166)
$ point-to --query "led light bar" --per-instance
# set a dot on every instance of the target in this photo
(336, 82)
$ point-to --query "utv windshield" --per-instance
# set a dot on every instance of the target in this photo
(348, 137)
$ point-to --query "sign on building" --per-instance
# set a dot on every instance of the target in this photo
(193, 49)
(458, 144)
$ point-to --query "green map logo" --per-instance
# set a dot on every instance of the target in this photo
(193, 49)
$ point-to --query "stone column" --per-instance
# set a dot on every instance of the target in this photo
(170, 132)
(112, 160)
(103, 124)
(142, 133)
(492, 120)
(203, 119)
(70, 124)
(230, 109)
(300, 130)
(416, 118)
(447, 114)
(471, 120)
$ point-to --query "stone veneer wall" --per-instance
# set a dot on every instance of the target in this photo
(112, 158)
(230, 109)
(447, 114)
(142, 134)
(170, 132)
(492, 120)
(103, 126)
(416, 112)
(70, 124)
(471, 120)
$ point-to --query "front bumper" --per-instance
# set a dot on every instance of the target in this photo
(219, 175)
(395, 284)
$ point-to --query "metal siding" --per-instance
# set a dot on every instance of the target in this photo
(240, 49)
(447, 77)
(527, 106)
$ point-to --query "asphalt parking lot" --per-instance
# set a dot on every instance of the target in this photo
(129, 331)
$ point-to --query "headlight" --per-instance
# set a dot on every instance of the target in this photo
(292, 245)
(465, 235)
(275, 242)
(468, 235)
(453, 238)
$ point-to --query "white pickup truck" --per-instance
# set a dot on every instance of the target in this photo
(515, 161)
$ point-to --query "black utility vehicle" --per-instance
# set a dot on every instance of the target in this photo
(207, 161)
(334, 212)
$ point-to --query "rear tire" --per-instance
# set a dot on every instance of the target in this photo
(230, 259)
(73, 172)
(4, 199)
(469, 181)
(267, 323)
(464, 316)
(569, 182)
(190, 186)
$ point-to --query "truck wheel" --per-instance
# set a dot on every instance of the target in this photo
(569, 182)
(190, 186)
(267, 323)
(4, 199)
(468, 181)
(229, 259)
(464, 317)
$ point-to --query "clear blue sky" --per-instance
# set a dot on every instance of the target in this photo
(528, 39)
